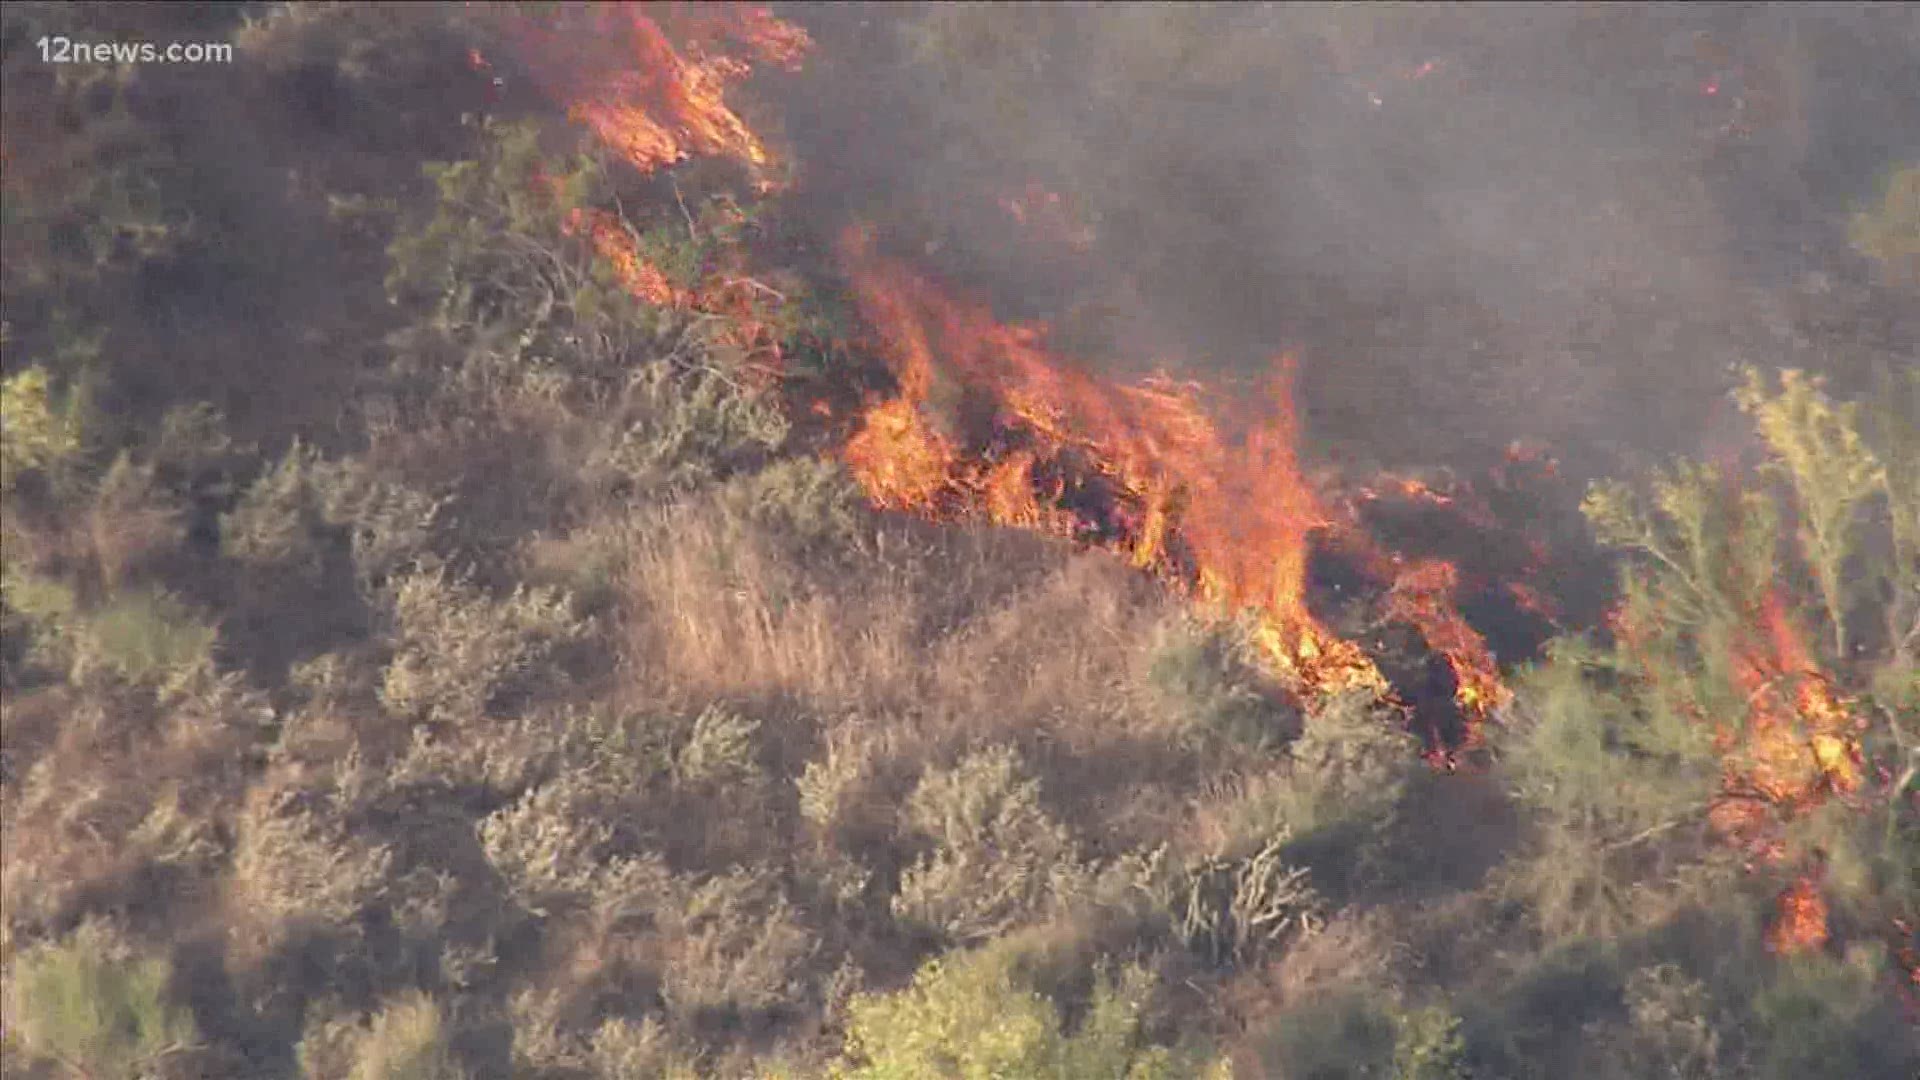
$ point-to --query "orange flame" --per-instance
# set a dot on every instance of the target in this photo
(1243, 511)
(1800, 918)
(1423, 595)
(609, 237)
(647, 100)
(1799, 740)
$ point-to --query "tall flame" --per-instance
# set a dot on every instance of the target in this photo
(653, 103)
(1242, 509)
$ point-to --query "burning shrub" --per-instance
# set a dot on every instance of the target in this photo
(999, 857)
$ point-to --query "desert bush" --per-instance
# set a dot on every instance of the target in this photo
(1671, 1030)
(1822, 1015)
(719, 748)
(458, 651)
(734, 948)
(144, 638)
(93, 1004)
(553, 845)
(1208, 677)
(40, 430)
(998, 856)
(1818, 446)
(811, 500)
(131, 521)
(408, 1039)
(296, 862)
(1335, 794)
(623, 1050)
(1890, 233)
(1613, 784)
(1427, 1045)
(1342, 1034)
(1235, 910)
(974, 1014)
(293, 514)
(686, 427)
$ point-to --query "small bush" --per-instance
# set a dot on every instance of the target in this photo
(37, 430)
(1337, 1036)
(718, 749)
(1427, 1045)
(1826, 1016)
(974, 1015)
(550, 847)
(144, 638)
(459, 651)
(92, 1005)
(407, 1040)
(1233, 910)
(294, 862)
(1671, 1030)
(1890, 233)
(998, 856)
(735, 947)
(1209, 681)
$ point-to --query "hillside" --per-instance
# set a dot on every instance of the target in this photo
(611, 541)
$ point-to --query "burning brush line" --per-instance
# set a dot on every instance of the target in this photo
(982, 422)
(1145, 470)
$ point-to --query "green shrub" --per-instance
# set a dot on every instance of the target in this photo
(1427, 1045)
(407, 1040)
(91, 1004)
(1817, 446)
(1345, 1034)
(1890, 233)
(37, 430)
(145, 638)
(458, 650)
(998, 856)
(1827, 1016)
(972, 1016)
(735, 946)
(1208, 679)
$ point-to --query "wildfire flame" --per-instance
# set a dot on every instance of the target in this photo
(654, 104)
(1800, 921)
(1228, 520)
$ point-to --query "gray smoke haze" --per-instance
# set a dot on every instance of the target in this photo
(1475, 223)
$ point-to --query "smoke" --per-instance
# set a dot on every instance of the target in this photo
(1476, 223)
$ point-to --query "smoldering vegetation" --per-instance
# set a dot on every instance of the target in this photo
(1476, 222)
(443, 634)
